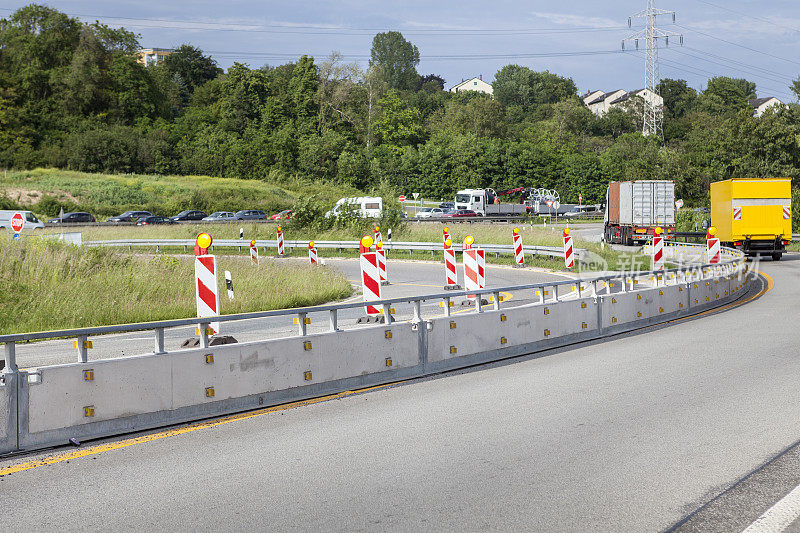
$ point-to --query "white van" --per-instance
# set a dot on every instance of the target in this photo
(364, 206)
(31, 222)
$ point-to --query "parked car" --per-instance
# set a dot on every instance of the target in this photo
(250, 214)
(75, 217)
(447, 205)
(449, 212)
(583, 210)
(283, 215)
(130, 216)
(146, 221)
(188, 215)
(218, 216)
(428, 212)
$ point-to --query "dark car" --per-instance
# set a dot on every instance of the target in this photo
(72, 218)
(188, 215)
(146, 221)
(447, 205)
(130, 216)
(250, 214)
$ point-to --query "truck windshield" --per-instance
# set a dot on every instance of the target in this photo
(462, 198)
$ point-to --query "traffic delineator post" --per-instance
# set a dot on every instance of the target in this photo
(279, 233)
(381, 262)
(569, 253)
(207, 289)
(658, 249)
(377, 232)
(253, 253)
(445, 233)
(712, 245)
(519, 256)
(312, 252)
(371, 282)
(451, 275)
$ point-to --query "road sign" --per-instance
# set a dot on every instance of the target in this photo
(17, 222)
(402, 198)
(549, 203)
(556, 204)
(678, 204)
(415, 195)
(16, 236)
(580, 198)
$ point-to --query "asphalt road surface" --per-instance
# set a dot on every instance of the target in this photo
(635, 433)
(408, 278)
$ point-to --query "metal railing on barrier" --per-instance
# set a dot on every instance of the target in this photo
(27, 422)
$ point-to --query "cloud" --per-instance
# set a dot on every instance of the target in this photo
(577, 20)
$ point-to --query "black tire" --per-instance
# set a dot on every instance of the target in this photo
(776, 256)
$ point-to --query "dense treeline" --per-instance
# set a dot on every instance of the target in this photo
(72, 95)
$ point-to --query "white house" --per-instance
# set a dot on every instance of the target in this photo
(600, 102)
(762, 104)
(475, 84)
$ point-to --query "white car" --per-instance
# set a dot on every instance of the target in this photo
(31, 222)
(428, 212)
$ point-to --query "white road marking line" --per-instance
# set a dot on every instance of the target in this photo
(778, 517)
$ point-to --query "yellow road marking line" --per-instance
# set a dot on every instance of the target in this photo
(102, 448)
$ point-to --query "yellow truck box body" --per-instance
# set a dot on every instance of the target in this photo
(755, 209)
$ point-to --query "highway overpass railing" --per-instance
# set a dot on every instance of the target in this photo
(48, 405)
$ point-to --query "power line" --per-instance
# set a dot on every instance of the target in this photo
(269, 55)
(748, 15)
(754, 74)
(736, 61)
(739, 45)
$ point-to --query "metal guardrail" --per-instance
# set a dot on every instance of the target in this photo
(343, 245)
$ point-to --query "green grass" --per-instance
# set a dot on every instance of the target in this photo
(45, 285)
(45, 191)
(482, 233)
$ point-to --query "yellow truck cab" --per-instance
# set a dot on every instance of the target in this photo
(753, 215)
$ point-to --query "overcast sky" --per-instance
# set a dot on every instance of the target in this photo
(465, 38)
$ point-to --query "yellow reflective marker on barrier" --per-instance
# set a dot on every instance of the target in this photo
(209, 392)
(88, 375)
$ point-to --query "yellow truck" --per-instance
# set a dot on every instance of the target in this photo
(753, 215)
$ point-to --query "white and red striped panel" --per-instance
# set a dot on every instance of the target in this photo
(450, 266)
(519, 256)
(312, 255)
(371, 282)
(207, 288)
(712, 250)
(569, 253)
(254, 254)
(737, 213)
(280, 243)
(658, 252)
(382, 266)
(474, 270)
(787, 212)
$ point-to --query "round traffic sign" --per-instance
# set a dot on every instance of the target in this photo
(402, 198)
(17, 222)
(556, 204)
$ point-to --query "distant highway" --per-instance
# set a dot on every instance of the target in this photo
(634, 433)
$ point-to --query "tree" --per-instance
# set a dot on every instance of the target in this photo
(398, 124)
(431, 83)
(678, 97)
(515, 85)
(795, 87)
(725, 95)
(397, 60)
(192, 66)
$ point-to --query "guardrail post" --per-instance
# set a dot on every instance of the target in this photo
(447, 306)
(478, 303)
(496, 300)
(387, 313)
(204, 334)
(302, 327)
(334, 320)
(159, 342)
(84, 353)
(418, 311)
(11, 357)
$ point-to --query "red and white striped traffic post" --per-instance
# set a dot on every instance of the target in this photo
(378, 237)
(381, 262)
(254, 253)
(206, 285)
(658, 249)
(474, 270)
(712, 245)
(370, 277)
(569, 254)
(312, 252)
(279, 231)
(787, 212)
(519, 256)
(450, 266)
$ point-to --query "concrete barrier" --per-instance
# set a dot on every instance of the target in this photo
(47, 406)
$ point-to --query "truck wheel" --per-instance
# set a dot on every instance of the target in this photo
(776, 256)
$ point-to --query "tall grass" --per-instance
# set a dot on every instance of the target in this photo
(46, 285)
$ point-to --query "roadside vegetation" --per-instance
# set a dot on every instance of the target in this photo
(46, 285)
